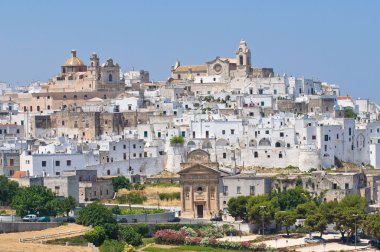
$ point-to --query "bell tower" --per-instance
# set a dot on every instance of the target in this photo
(243, 58)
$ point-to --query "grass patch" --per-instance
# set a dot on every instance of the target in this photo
(141, 211)
(187, 248)
(77, 241)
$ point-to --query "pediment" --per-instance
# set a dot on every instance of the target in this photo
(199, 169)
(217, 60)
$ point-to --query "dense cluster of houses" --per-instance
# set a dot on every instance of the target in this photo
(94, 118)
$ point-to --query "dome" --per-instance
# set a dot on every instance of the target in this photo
(73, 61)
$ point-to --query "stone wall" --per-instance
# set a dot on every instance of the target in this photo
(14, 227)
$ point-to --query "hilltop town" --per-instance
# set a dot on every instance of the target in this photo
(235, 120)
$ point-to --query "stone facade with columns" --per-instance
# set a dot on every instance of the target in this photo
(199, 179)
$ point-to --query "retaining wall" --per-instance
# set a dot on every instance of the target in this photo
(14, 227)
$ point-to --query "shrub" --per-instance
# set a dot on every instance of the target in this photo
(189, 232)
(129, 248)
(169, 236)
(95, 214)
(142, 229)
(112, 246)
(212, 231)
(170, 196)
(111, 230)
(116, 210)
(193, 240)
(96, 236)
(129, 235)
(177, 140)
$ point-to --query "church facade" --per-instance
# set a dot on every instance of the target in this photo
(200, 186)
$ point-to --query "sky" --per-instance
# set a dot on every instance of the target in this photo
(333, 41)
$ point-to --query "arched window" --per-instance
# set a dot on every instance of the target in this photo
(199, 189)
(110, 77)
(241, 60)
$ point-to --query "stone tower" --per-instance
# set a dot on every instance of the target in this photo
(243, 59)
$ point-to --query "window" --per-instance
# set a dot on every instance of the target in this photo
(225, 190)
(134, 146)
(349, 131)
(267, 132)
(275, 91)
(57, 163)
(335, 186)
(223, 132)
(232, 131)
(256, 154)
(207, 134)
(325, 147)
(252, 190)
(280, 155)
(281, 134)
(56, 190)
(68, 162)
(124, 146)
(38, 108)
(326, 138)
(346, 186)
(114, 147)
(238, 190)
(63, 123)
(241, 60)
(313, 137)
(262, 103)
(124, 156)
(43, 163)
(199, 189)
(145, 134)
(224, 155)
(110, 77)
(183, 133)
(57, 173)
(158, 134)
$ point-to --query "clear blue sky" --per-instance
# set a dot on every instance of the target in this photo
(335, 41)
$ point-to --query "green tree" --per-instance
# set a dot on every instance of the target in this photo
(129, 235)
(95, 214)
(237, 207)
(8, 189)
(54, 208)
(32, 200)
(177, 140)
(302, 210)
(349, 211)
(121, 182)
(286, 219)
(261, 210)
(68, 204)
(371, 225)
(349, 113)
(316, 222)
(96, 236)
(112, 246)
(291, 198)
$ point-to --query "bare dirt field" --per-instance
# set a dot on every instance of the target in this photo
(10, 242)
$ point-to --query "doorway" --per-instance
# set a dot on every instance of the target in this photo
(199, 211)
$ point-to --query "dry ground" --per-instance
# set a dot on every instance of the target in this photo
(10, 242)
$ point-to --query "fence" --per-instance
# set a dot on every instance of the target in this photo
(57, 235)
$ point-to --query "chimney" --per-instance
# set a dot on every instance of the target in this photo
(73, 53)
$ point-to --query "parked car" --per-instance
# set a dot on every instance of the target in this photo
(315, 239)
(30, 218)
(175, 219)
(70, 219)
(122, 220)
(351, 239)
(43, 219)
(374, 243)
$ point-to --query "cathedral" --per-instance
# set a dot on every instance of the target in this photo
(220, 69)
